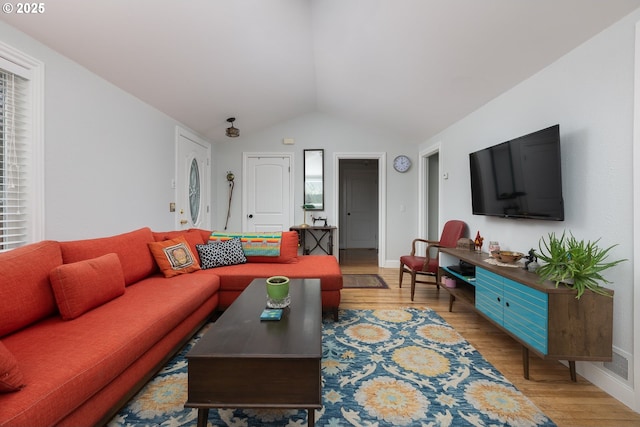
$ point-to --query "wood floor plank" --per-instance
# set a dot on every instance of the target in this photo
(568, 404)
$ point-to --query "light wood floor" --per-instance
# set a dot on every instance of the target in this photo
(568, 404)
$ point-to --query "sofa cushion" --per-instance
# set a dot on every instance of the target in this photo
(84, 285)
(228, 252)
(192, 236)
(11, 378)
(288, 250)
(135, 258)
(25, 291)
(174, 256)
(253, 243)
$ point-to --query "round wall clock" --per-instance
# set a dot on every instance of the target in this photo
(402, 163)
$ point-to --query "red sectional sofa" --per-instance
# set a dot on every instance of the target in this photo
(82, 329)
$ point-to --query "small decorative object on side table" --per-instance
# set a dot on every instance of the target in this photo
(465, 243)
(314, 220)
(531, 264)
(493, 247)
(478, 242)
(304, 215)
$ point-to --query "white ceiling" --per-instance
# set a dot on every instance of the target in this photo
(408, 66)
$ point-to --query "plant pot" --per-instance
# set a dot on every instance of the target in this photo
(278, 292)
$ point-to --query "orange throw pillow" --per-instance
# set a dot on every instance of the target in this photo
(174, 256)
(10, 375)
(84, 285)
(192, 236)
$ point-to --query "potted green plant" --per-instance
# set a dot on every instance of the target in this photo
(576, 263)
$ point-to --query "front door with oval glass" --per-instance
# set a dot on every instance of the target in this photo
(193, 176)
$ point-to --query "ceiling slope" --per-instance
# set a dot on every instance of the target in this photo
(412, 67)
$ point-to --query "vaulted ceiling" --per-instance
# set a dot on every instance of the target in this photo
(408, 66)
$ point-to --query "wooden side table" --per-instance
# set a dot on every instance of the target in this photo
(321, 235)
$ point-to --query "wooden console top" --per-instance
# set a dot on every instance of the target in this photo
(517, 274)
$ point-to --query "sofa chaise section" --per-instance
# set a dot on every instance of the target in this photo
(235, 278)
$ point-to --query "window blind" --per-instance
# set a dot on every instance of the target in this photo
(14, 158)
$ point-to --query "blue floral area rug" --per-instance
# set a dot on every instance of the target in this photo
(400, 367)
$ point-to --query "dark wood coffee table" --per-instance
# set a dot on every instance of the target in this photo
(242, 362)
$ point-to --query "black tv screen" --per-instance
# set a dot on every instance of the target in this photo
(520, 178)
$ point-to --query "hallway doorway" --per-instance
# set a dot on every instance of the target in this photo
(358, 203)
(433, 194)
(360, 197)
(429, 193)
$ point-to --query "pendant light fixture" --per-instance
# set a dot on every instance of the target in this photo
(232, 132)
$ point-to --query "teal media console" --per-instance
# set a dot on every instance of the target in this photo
(546, 320)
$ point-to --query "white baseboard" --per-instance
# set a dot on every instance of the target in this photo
(608, 382)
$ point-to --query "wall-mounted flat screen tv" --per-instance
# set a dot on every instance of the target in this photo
(520, 178)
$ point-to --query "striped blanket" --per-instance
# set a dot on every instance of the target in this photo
(253, 244)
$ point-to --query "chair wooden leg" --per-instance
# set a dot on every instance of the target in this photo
(401, 272)
(413, 284)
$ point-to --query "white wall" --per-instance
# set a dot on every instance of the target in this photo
(109, 158)
(334, 136)
(589, 92)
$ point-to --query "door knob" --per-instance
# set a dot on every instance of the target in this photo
(183, 221)
(250, 215)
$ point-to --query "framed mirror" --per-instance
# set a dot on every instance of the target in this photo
(314, 179)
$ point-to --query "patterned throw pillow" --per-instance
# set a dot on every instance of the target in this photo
(174, 257)
(219, 254)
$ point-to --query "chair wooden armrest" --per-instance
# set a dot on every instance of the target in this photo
(429, 243)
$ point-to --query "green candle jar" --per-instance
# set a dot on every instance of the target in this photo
(278, 292)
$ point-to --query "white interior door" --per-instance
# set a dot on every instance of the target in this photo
(193, 174)
(268, 192)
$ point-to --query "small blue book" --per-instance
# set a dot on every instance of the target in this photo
(271, 314)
